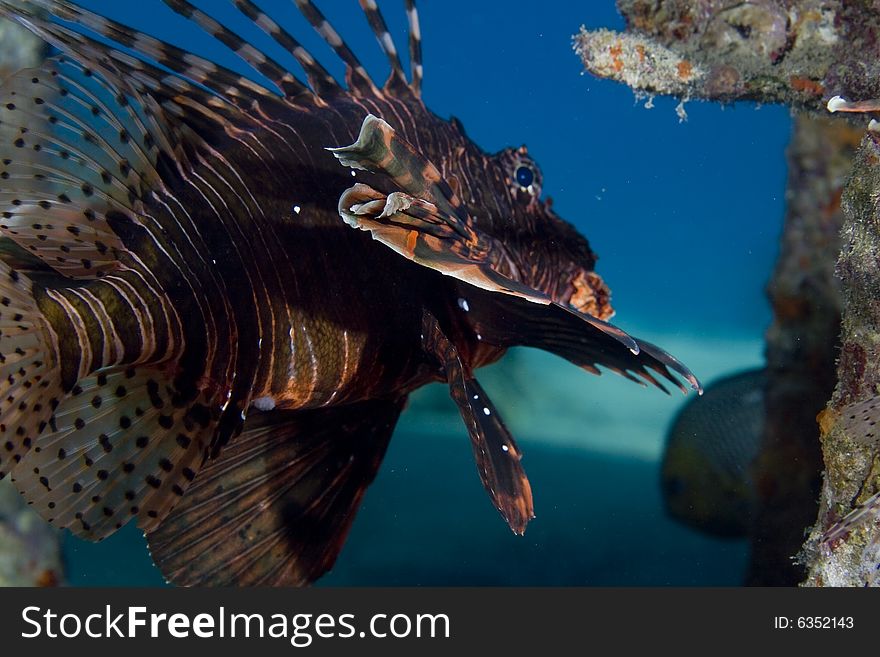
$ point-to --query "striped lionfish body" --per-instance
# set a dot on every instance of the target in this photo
(217, 293)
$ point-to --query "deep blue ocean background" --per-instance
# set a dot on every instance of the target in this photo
(685, 218)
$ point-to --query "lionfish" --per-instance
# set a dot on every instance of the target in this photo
(213, 309)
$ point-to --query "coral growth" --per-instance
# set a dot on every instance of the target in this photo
(798, 52)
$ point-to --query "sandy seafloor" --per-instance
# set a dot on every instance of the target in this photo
(685, 218)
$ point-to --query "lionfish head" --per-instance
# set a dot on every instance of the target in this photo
(477, 217)
(545, 252)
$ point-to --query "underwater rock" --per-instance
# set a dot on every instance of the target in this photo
(785, 51)
(30, 552)
(852, 460)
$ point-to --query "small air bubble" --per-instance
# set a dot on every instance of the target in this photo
(486, 411)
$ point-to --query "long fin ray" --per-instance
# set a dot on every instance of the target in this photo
(495, 451)
(358, 79)
(415, 48)
(220, 91)
(221, 80)
(71, 153)
(509, 322)
(397, 79)
(321, 81)
(863, 513)
(255, 58)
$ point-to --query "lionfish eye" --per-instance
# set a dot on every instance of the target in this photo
(524, 175)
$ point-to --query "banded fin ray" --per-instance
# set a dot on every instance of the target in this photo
(415, 48)
(72, 152)
(222, 81)
(863, 513)
(256, 59)
(386, 42)
(357, 78)
(318, 77)
(219, 79)
(209, 87)
(122, 445)
(275, 506)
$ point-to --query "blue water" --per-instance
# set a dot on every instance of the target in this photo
(685, 218)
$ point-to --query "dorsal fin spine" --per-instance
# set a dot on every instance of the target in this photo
(357, 77)
(35, 16)
(386, 42)
(319, 78)
(415, 47)
(257, 59)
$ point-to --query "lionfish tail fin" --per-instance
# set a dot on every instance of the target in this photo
(30, 373)
(275, 506)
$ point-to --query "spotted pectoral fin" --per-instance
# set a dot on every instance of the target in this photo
(275, 506)
(510, 322)
(497, 456)
(73, 152)
(121, 445)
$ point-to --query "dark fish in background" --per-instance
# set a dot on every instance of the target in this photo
(223, 307)
(706, 472)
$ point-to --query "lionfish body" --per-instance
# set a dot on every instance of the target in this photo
(213, 310)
